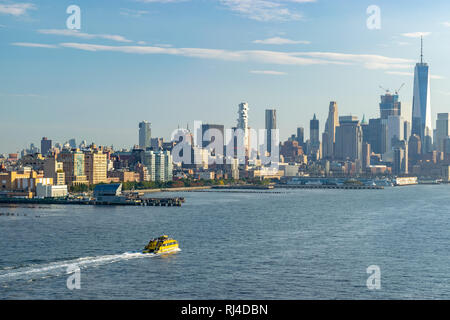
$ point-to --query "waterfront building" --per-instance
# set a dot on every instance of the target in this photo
(46, 146)
(348, 139)
(73, 166)
(329, 135)
(271, 124)
(145, 135)
(54, 169)
(421, 110)
(442, 130)
(24, 180)
(51, 191)
(96, 167)
(159, 165)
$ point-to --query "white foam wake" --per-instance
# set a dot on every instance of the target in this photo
(57, 268)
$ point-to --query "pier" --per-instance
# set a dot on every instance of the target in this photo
(323, 186)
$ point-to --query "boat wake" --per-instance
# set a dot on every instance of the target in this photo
(53, 269)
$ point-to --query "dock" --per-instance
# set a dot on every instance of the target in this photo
(324, 186)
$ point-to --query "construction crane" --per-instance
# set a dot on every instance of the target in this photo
(387, 90)
(398, 90)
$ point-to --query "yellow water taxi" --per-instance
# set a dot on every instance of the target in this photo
(161, 245)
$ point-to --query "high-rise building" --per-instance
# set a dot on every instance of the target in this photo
(215, 129)
(329, 135)
(73, 166)
(421, 110)
(400, 163)
(348, 139)
(365, 129)
(242, 123)
(55, 170)
(395, 130)
(365, 155)
(271, 124)
(390, 106)
(159, 165)
(300, 136)
(95, 167)
(378, 135)
(145, 135)
(442, 130)
(314, 142)
(73, 143)
(46, 146)
(414, 147)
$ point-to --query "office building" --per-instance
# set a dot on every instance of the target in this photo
(145, 135)
(73, 166)
(421, 110)
(95, 167)
(301, 136)
(46, 146)
(442, 130)
(271, 124)
(329, 135)
(348, 139)
(390, 106)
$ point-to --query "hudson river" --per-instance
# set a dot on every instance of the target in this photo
(282, 244)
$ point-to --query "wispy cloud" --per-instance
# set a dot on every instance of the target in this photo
(75, 33)
(132, 13)
(262, 10)
(446, 24)
(368, 61)
(416, 34)
(411, 74)
(280, 41)
(34, 45)
(269, 72)
(16, 9)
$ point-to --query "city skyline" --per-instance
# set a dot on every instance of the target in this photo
(63, 91)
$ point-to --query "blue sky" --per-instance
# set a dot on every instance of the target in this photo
(172, 62)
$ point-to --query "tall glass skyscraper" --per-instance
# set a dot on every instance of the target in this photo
(421, 111)
(271, 124)
(145, 135)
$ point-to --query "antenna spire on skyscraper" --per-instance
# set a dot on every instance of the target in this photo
(421, 49)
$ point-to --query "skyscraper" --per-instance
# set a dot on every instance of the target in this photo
(145, 135)
(390, 106)
(442, 130)
(329, 135)
(421, 110)
(242, 123)
(271, 124)
(348, 139)
(300, 136)
(46, 146)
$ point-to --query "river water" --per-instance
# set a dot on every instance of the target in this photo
(288, 244)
